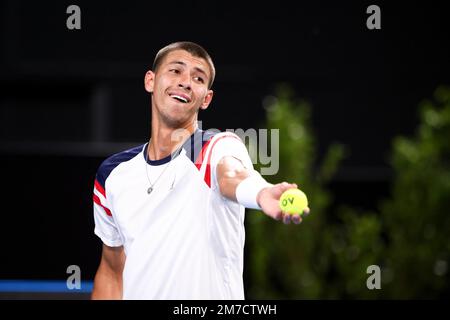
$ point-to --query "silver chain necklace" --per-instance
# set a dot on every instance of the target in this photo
(172, 156)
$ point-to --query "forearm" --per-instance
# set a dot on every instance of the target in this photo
(230, 181)
(240, 184)
(107, 285)
(249, 189)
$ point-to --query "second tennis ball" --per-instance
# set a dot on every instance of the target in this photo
(293, 201)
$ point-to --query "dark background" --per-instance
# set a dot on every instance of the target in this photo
(70, 98)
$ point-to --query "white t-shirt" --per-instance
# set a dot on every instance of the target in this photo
(184, 240)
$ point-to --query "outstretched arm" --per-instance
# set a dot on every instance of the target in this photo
(231, 172)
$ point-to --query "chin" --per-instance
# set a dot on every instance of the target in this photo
(174, 121)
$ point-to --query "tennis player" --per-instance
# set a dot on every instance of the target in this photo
(170, 213)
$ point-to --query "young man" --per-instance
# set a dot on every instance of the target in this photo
(170, 212)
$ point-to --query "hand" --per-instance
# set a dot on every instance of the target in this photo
(268, 199)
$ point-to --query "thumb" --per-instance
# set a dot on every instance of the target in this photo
(286, 186)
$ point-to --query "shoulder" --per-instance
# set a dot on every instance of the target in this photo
(197, 145)
(203, 144)
(229, 144)
(110, 163)
(225, 139)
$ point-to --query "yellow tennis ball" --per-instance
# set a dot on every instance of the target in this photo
(293, 201)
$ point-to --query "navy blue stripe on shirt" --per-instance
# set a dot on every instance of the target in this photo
(193, 147)
(156, 162)
(113, 161)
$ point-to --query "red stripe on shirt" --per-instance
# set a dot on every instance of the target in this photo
(99, 188)
(97, 201)
(208, 164)
(201, 156)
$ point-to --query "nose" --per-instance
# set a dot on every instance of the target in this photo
(185, 82)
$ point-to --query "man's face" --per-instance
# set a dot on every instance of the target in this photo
(180, 87)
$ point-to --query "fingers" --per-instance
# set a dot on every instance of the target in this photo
(284, 185)
(278, 189)
(295, 218)
(278, 216)
(286, 218)
(306, 212)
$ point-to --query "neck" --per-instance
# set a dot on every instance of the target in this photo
(166, 140)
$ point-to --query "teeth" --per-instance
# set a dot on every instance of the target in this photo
(179, 98)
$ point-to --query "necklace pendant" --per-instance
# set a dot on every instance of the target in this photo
(149, 190)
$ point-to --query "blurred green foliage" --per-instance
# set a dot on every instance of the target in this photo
(328, 254)
(416, 218)
(283, 260)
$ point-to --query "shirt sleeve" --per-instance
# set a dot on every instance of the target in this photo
(228, 144)
(105, 226)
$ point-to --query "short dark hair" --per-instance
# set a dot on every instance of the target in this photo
(191, 47)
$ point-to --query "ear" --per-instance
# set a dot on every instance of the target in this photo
(207, 100)
(149, 81)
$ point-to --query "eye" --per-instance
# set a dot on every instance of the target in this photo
(199, 79)
(174, 70)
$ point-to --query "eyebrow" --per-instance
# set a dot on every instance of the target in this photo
(184, 64)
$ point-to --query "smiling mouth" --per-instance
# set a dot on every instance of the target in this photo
(179, 98)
